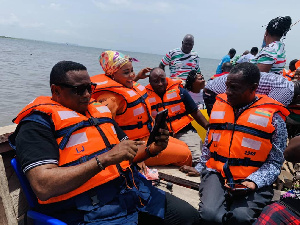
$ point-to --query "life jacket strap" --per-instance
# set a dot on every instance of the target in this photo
(159, 105)
(67, 131)
(241, 128)
(139, 125)
(138, 101)
(177, 117)
(86, 158)
(236, 161)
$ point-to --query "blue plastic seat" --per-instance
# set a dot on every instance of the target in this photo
(36, 217)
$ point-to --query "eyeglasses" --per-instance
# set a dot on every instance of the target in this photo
(80, 89)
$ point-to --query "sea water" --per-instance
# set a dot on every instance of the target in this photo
(25, 67)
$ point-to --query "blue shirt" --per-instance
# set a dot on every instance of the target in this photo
(225, 59)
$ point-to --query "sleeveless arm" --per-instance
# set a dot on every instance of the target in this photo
(113, 101)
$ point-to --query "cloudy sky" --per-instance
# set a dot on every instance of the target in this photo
(150, 26)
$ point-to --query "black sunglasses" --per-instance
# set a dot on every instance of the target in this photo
(80, 89)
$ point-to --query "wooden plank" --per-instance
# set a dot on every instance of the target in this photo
(172, 173)
(187, 194)
(6, 201)
(4, 133)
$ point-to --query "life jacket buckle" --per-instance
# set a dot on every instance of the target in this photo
(235, 162)
(140, 125)
(246, 161)
(214, 156)
(94, 121)
(229, 126)
(83, 159)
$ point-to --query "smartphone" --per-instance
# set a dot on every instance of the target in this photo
(159, 122)
(238, 187)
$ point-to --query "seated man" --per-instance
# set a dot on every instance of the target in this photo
(165, 93)
(244, 145)
(80, 164)
(226, 67)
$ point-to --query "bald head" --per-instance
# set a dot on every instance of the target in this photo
(157, 80)
(226, 67)
(187, 43)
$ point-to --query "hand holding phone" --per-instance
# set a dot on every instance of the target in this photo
(235, 187)
(159, 122)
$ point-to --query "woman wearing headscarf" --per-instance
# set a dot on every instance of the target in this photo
(271, 57)
(130, 106)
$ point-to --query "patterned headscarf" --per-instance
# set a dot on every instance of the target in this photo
(112, 61)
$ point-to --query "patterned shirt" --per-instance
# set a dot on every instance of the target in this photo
(273, 54)
(181, 64)
(276, 87)
(270, 170)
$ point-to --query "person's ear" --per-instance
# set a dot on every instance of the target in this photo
(55, 90)
(254, 87)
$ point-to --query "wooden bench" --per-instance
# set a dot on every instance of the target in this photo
(184, 187)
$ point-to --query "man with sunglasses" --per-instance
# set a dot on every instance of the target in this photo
(80, 164)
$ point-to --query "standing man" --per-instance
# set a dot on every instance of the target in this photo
(182, 61)
(244, 145)
(225, 59)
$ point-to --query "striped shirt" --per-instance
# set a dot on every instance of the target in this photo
(181, 64)
(273, 54)
(276, 87)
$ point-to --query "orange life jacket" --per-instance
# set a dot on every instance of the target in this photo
(244, 142)
(78, 139)
(136, 120)
(288, 75)
(294, 108)
(177, 115)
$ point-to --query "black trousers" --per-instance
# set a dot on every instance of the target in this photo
(218, 207)
(177, 212)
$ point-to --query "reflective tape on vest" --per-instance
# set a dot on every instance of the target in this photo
(141, 87)
(67, 114)
(218, 115)
(250, 143)
(175, 108)
(138, 111)
(77, 139)
(258, 120)
(114, 130)
(103, 109)
(216, 136)
(101, 83)
(131, 93)
(171, 95)
(151, 100)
